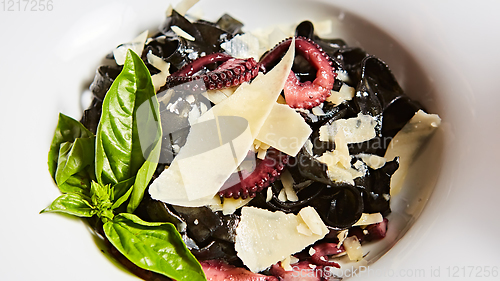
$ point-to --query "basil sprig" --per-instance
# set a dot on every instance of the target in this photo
(97, 174)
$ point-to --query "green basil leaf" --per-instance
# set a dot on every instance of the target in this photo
(67, 130)
(78, 183)
(102, 200)
(74, 157)
(118, 149)
(153, 246)
(73, 204)
(147, 170)
(123, 187)
(122, 199)
(101, 195)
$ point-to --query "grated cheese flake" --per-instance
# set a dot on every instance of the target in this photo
(181, 33)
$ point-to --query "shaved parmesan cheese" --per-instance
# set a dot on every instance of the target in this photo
(357, 129)
(407, 142)
(215, 96)
(373, 161)
(287, 181)
(353, 248)
(342, 236)
(276, 36)
(269, 194)
(230, 204)
(271, 36)
(182, 33)
(312, 251)
(309, 147)
(182, 7)
(285, 130)
(242, 46)
(343, 76)
(304, 229)
(282, 195)
(339, 161)
(285, 264)
(312, 220)
(261, 154)
(136, 45)
(160, 78)
(264, 238)
(192, 179)
(345, 93)
(367, 219)
(318, 110)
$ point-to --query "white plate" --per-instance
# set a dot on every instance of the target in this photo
(444, 54)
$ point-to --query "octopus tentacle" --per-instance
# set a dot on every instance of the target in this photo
(231, 72)
(303, 271)
(266, 172)
(322, 251)
(304, 94)
(218, 270)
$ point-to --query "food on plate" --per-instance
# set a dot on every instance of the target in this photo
(211, 153)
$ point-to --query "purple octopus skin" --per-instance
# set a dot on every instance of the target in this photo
(377, 231)
(304, 94)
(301, 271)
(372, 232)
(218, 270)
(231, 72)
(322, 251)
(266, 172)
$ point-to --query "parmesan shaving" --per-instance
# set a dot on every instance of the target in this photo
(261, 154)
(342, 236)
(136, 45)
(339, 161)
(304, 229)
(285, 264)
(282, 195)
(287, 181)
(269, 194)
(160, 78)
(230, 205)
(373, 161)
(357, 129)
(264, 238)
(407, 142)
(344, 94)
(312, 220)
(215, 96)
(182, 7)
(182, 33)
(367, 219)
(353, 248)
(312, 251)
(242, 46)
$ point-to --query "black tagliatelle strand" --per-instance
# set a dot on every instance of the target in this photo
(210, 235)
